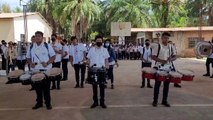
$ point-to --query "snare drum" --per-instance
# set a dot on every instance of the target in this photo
(13, 76)
(175, 77)
(38, 78)
(187, 75)
(162, 76)
(96, 75)
(25, 79)
(148, 72)
(54, 74)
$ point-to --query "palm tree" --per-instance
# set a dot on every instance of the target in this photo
(134, 11)
(162, 9)
(82, 14)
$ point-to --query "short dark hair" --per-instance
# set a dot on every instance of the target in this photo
(108, 40)
(147, 40)
(54, 35)
(39, 32)
(98, 36)
(166, 34)
(64, 40)
(73, 38)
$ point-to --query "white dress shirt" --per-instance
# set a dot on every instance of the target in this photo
(165, 52)
(77, 52)
(39, 54)
(97, 56)
(147, 54)
(65, 49)
(57, 46)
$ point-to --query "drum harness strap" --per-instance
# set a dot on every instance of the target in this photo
(45, 44)
(159, 47)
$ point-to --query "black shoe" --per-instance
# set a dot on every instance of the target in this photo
(58, 88)
(142, 86)
(206, 75)
(154, 104)
(64, 79)
(103, 105)
(49, 107)
(94, 105)
(211, 76)
(166, 104)
(76, 86)
(177, 85)
(82, 86)
(8, 82)
(53, 88)
(31, 89)
(149, 86)
(37, 106)
(112, 86)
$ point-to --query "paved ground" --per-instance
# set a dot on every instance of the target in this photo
(194, 101)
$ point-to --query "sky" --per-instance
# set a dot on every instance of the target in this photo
(13, 3)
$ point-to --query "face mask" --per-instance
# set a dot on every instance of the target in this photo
(147, 44)
(98, 44)
(53, 39)
(107, 44)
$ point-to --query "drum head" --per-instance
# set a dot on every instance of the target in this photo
(53, 72)
(38, 77)
(186, 72)
(175, 74)
(25, 77)
(15, 73)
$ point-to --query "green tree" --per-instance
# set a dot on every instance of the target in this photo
(134, 11)
(162, 9)
(200, 8)
(5, 8)
(82, 14)
(17, 10)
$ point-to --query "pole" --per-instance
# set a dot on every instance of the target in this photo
(25, 23)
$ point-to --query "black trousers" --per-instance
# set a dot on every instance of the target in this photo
(21, 64)
(208, 62)
(77, 69)
(95, 93)
(3, 62)
(65, 68)
(110, 74)
(165, 90)
(143, 64)
(43, 91)
(58, 65)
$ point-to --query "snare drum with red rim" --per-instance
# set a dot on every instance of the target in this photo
(187, 75)
(162, 76)
(175, 77)
(148, 72)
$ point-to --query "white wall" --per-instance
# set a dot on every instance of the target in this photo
(6, 30)
(34, 23)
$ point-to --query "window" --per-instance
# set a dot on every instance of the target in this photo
(193, 41)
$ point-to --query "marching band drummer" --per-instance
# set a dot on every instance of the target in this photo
(98, 56)
(77, 58)
(41, 58)
(163, 56)
(209, 61)
(57, 47)
(146, 53)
